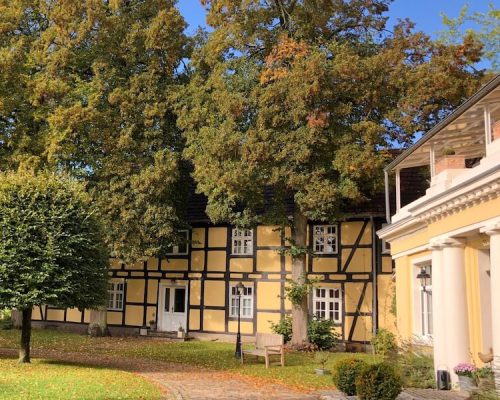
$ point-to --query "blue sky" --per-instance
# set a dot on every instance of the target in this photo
(426, 13)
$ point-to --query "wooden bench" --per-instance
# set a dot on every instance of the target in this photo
(266, 345)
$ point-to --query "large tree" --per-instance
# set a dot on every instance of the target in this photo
(301, 97)
(52, 248)
(84, 87)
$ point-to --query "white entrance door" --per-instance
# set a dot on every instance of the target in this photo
(172, 308)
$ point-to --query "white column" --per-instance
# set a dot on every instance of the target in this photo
(438, 311)
(398, 190)
(494, 232)
(455, 313)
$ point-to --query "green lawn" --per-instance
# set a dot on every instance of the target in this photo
(44, 379)
(299, 370)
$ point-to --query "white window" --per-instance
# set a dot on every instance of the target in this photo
(246, 310)
(426, 304)
(180, 248)
(325, 239)
(242, 241)
(327, 304)
(115, 295)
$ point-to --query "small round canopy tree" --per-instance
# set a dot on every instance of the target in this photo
(51, 247)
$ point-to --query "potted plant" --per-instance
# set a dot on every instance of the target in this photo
(485, 378)
(465, 372)
(321, 358)
(152, 323)
(181, 334)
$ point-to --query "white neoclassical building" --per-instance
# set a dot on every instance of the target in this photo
(446, 243)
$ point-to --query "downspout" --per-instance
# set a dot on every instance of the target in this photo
(387, 202)
(374, 279)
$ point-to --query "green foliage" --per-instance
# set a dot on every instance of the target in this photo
(447, 152)
(84, 88)
(51, 243)
(485, 372)
(321, 333)
(283, 327)
(295, 291)
(417, 370)
(384, 343)
(379, 381)
(345, 374)
(6, 319)
(322, 357)
(482, 26)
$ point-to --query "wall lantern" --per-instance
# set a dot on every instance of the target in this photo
(425, 278)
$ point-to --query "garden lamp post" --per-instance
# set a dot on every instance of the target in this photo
(424, 278)
(239, 288)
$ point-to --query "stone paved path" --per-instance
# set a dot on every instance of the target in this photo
(183, 382)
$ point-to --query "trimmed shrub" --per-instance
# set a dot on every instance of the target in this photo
(417, 370)
(378, 381)
(345, 373)
(384, 343)
(284, 327)
(321, 333)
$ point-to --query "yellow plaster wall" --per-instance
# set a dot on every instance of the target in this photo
(386, 264)
(152, 291)
(404, 298)
(216, 260)
(268, 295)
(217, 237)
(73, 315)
(195, 293)
(351, 230)
(86, 316)
(194, 320)
(215, 293)
(360, 262)
(214, 320)
(241, 264)
(198, 238)
(386, 291)
(133, 315)
(136, 265)
(268, 236)
(152, 264)
(174, 264)
(36, 316)
(353, 291)
(114, 317)
(324, 264)
(115, 263)
(150, 314)
(268, 261)
(197, 260)
(246, 327)
(55, 315)
(264, 321)
(362, 329)
(410, 241)
(135, 290)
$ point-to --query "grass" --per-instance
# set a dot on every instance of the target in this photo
(299, 370)
(44, 379)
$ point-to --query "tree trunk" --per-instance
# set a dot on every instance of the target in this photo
(24, 351)
(98, 324)
(300, 314)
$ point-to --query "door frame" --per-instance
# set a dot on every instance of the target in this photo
(160, 303)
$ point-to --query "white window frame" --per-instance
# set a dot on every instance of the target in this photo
(325, 235)
(233, 301)
(422, 302)
(175, 248)
(325, 300)
(116, 296)
(238, 239)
